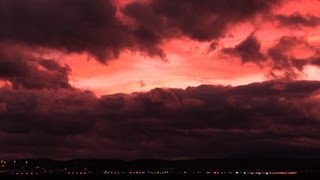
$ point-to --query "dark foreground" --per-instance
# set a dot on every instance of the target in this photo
(205, 169)
(155, 177)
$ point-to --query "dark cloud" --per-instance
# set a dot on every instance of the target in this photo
(280, 57)
(24, 70)
(213, 46)
(199, 20)
(284, 59)
(77, 26)
(46, 111)
(248, 50)
(70, 26)
(297, 20)
(42, 115)
(315, 60)
(207, 121)
(280, 51)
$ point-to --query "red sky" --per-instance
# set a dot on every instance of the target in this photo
(191, 63)
(171, 79)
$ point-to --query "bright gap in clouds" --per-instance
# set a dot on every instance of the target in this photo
(191, 63)
(190, 66)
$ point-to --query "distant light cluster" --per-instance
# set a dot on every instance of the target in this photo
(3, 163)
(21, 172)
(34, 168)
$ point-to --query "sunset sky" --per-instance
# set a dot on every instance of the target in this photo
(171, 79)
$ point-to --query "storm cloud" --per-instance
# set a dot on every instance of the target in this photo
(248, 50)
(94, 27)
(24, 70)
(297, 20)
(206, 121)
(199, 20)
(281, 56)
(43, 116)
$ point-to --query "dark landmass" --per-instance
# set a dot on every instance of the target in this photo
(156, 168)
(151, 164)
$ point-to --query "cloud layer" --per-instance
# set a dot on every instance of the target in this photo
(276, 117)
(283, 56)
(24, 70)
(43, 116)
(297, 20)
(95, 28)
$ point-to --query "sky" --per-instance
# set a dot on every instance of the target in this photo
(162, 79)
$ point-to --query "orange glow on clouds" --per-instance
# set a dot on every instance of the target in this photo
(191, 63)
(183, 69)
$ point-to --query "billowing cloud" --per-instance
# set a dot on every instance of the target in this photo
(24, 70)
(43, 116)
(203, 21)
(297, 20)
(46, 111)
(73, 26)
(248, 50)
(283, 56)
(206, 121)
(94, 27)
